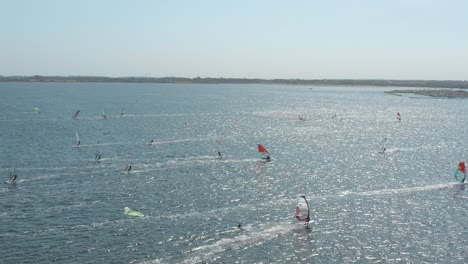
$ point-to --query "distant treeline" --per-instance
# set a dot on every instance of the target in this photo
(344, 82)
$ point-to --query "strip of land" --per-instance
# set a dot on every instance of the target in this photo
(446, 93)
(338, 82)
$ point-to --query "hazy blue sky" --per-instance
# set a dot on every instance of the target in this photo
(397, 39)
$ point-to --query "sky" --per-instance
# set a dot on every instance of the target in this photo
(310, 39)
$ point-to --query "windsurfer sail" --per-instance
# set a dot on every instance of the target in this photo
(77, 139)
(128, 168)
(263, 150)
(303, 210)
(460, 173)
(131, 212)
(97, 157)
(382, 150)
(76, 115)
(301, 117)
(13, 176)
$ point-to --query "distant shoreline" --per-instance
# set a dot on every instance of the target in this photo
(198, 80)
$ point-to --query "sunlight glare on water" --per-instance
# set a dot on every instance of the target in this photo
(401, 206)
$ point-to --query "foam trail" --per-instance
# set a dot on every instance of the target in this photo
(102, 144)
(401, 190)
(203, 253)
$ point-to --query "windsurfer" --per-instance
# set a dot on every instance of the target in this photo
(13, 176)
(219, 155)
(150, 142)
(128, 168)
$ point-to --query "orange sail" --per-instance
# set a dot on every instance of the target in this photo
(462, 167)
(262, 149)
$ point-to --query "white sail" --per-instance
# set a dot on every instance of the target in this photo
(77, 138)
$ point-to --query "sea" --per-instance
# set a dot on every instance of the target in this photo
(400, 206)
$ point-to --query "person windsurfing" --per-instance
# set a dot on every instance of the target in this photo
(219, 155)
(78, 141)
(97, 157)
(76, 115)
(128, 168)
(263, 150)
(382, 150)
(398, 116)
(13, 176)
(302, 209)
(301, 117)
(460, 173)
(103, 115)
(151, 142)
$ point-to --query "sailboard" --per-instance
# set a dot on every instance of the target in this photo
(460, 173)
(303, 210)
(131, 212)
(264, 151)
(76, 115)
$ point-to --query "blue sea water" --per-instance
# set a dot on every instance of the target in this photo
(402, 206)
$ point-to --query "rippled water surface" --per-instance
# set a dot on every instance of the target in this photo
(401, 206)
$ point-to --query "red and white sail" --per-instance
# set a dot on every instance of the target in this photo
(303, 210)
